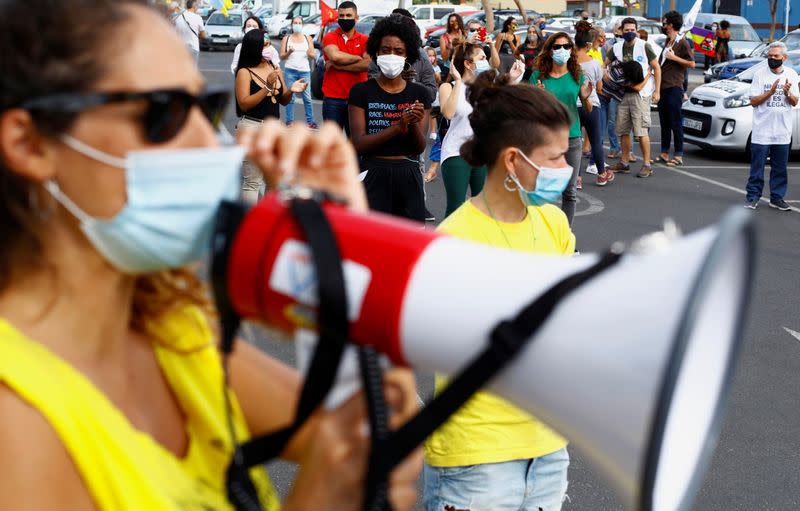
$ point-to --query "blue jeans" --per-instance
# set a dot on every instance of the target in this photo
(608, 109)
(671, 120)
(335, 110)
(529, 485)
(594, 130)
(778, 180)
(292, 75)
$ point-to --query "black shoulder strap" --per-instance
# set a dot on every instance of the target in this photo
(183, 15)
(333, 329)
(506, 340)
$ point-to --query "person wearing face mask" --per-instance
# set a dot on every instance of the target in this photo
(490, 454)
(469, 61)
(634, 109)
(473, 36)
(113, 389)
(346, 64)
(455, 34)
(268, 53)
(530, 49)
(389, 119)
(506, 44)
(773, 94)
(296, 49)
(558, 72)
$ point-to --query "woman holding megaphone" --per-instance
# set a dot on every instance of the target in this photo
(490, 454)
(111, 383)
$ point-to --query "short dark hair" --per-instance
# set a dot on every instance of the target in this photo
(404, 12)
(629, 21)
(674, 18)
(256, 19)
(505, 115)
(724, 24)
(399, 26)
(347, 4)
(190, 3)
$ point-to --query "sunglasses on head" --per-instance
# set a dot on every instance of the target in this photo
(166, 113)
(565, 46)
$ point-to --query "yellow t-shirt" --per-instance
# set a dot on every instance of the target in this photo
(596, 54)
(125, 469)
(489, 429)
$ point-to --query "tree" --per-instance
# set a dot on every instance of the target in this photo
(773, 9)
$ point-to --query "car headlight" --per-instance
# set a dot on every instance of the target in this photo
(737, 101)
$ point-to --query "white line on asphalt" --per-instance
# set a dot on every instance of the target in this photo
(721, 185)
(595, 204)
(791, 332)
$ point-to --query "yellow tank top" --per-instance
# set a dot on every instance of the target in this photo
(489, 429)
(123, 468)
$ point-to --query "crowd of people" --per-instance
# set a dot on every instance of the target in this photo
(113, 392)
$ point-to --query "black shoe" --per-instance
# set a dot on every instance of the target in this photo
(779, 204)
(429, 216)
(751, 204)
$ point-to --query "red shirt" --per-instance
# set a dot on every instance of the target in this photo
(337, 83)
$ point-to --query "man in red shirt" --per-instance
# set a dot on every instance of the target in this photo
(346, 63)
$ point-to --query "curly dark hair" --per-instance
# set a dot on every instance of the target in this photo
(674, 18)
(724, 25)
(585, 34)
(505, 115)
(544, 62)
(399, 26)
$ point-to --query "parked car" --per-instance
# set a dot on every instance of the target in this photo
(719, 115)
(427, 15)
(302, 8)
(441, 24)
(731, 68)
(744, 38)
(264, 13)
(224, 32)
(608, 23)
(500, 15)
(204, 9)
(367, 21)
(311, 27)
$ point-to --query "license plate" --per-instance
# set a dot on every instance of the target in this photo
(219, 40)
(692, 124)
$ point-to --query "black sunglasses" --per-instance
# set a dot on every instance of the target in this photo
(565, 46)
(166, 114)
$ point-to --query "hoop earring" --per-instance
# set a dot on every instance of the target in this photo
(509, 184)
(33, 203)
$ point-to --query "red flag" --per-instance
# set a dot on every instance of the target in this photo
(328, 14)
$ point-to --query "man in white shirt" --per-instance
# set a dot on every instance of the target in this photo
(191, 28)
(773, 94)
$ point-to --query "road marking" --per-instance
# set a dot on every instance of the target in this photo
(595, 204)
(791, 332)
(721, 185)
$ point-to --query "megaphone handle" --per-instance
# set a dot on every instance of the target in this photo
(507, 339)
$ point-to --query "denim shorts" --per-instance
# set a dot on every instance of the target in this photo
(529, 485)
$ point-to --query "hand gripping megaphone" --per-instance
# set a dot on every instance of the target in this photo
(640, 391)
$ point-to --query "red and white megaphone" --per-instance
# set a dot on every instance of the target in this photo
(641, 392)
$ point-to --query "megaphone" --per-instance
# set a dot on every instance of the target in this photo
(640, 391)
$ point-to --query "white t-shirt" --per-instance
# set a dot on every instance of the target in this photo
(772, 119)
(460, 129)
(189, 25)
(593, 71)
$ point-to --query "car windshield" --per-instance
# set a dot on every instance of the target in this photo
(744, 33)
(748, 74)
(232, 20)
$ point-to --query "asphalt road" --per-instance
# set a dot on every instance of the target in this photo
(757, 463)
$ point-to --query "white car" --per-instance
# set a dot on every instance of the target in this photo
(428, 15)
(224, 32)
(718, 115)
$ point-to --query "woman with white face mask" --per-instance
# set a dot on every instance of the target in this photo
(251, 23)
(389, 120)
(469, 61)
(491, 455)
(112, 388)
(558, 72)
(296, 49)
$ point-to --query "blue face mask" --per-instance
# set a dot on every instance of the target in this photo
(172, 199)
(481, 66)
(550, 184)
(561, 56)
(629, 36)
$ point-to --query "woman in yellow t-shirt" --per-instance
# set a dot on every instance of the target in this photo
(491, 455)
(111, 383)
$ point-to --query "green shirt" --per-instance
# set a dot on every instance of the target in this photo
(566, 91)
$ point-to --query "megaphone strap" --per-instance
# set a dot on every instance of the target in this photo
(333, 328)
(507, 339)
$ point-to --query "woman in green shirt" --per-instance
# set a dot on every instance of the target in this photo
(558, 72)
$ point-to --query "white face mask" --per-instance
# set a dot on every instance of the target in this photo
(391, 65)
(173, 196)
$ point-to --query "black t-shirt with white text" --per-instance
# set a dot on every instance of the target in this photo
(383, 109)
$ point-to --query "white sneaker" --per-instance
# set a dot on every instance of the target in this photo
(591, 169)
